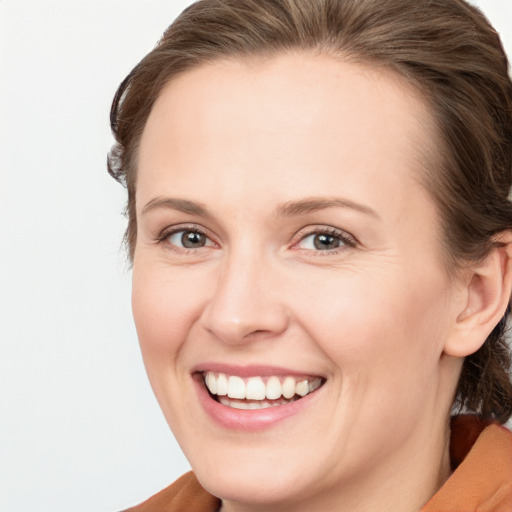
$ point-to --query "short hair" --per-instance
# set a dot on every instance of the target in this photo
(446, 49)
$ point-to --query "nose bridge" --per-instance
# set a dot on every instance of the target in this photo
(244, 306)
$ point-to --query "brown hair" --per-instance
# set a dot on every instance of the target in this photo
(445, 48)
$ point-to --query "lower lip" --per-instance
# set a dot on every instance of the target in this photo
(253, 419)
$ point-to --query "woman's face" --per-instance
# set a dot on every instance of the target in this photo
(285, 247)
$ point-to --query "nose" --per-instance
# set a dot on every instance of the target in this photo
(246, 304)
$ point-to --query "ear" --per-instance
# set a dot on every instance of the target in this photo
(486, 290)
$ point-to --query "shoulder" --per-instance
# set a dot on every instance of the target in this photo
(185, 493)
(482, 463)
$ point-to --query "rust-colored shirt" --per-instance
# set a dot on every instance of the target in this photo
(481, 456)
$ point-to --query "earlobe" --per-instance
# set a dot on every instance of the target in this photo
(486, 291)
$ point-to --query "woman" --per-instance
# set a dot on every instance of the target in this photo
(321, 244)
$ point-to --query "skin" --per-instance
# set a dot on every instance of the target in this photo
(379, 317)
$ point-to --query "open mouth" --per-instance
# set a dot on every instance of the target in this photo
(258, 392)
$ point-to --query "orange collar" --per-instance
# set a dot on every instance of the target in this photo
(481, 455)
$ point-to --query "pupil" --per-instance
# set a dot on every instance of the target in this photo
(192, 240)
(326, 242)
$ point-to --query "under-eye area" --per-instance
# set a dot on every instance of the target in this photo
(258, 392)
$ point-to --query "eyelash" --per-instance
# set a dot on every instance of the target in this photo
(347, 240)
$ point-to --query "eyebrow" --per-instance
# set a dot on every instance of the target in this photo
(288, 209)
(313, 204)
(181, 205)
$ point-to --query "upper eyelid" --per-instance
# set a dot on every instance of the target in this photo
(169, 230)
(324, 229)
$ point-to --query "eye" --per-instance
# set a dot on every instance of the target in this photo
(188, 239)
(325, 240)
(320, 242)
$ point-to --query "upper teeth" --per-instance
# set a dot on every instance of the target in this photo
(255, 388)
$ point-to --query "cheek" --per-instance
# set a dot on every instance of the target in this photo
(372, 325)
(164, 308)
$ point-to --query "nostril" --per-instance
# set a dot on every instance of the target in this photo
(258, 333)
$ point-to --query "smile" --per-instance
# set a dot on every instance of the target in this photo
(258, 392)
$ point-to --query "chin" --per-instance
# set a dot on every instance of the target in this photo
(257, 484)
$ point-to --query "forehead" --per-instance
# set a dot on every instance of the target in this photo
(292, 116)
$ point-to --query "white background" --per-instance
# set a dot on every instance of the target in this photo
(79, 428)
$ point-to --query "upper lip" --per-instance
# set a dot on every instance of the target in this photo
(253, 370)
